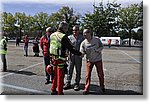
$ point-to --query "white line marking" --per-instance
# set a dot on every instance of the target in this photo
(23, 89)
(129, 55)
(22, 69)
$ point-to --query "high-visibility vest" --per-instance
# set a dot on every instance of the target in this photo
(3, 43)
(55, 44)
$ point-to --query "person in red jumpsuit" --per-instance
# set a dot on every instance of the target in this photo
(59, 56)
(45, 45)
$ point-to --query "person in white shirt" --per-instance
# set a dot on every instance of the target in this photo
(92, 47)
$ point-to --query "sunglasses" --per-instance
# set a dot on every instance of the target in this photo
(76, 30)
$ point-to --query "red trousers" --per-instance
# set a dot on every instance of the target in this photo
(99, 68)
(58, 80)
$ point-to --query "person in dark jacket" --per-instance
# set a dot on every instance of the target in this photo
(17, 41)
(36, 47)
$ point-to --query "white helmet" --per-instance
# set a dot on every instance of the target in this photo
(48, 29)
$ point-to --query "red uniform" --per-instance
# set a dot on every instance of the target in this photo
(58, 81)
(44, 44)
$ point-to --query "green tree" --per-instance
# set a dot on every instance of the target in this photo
(41, 20)
(96, 20)
(56, 18)
(140, 22)
(8, 22)
(28, 24)
(140, 15)
(123, 34)
(103, 21)
(128, 19)
(138, 35)
(20, 23)
(66, 14)
(112, 15)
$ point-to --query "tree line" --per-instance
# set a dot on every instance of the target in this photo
(105, 20)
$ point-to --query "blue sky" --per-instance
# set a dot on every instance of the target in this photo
(31, 7)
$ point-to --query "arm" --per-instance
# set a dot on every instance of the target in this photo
(41, 43)
(82, 48)
(100, 47)
(5, 45)
(28, 40)
(66, 44)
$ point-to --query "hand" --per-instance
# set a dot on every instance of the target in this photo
(96, 50)
(82, 55)
(5, 49)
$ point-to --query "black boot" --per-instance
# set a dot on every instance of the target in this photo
(47, 82)
(54, 92)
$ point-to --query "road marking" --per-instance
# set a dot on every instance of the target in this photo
(23, 89)
(128, 55)
(21, 69)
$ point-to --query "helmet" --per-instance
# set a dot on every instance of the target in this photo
(48, 29)
(49, 69)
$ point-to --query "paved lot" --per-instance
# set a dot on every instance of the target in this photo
(123, 68)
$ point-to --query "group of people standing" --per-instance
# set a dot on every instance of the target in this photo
(71, 49)
(58, 48)
(35, 46)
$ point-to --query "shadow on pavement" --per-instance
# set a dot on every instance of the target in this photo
(96, 90)
(21, 72)
(120, 92)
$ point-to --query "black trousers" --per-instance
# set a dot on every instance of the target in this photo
(47, 62)
(3, 58)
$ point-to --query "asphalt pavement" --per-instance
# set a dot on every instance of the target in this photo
(123, 70)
